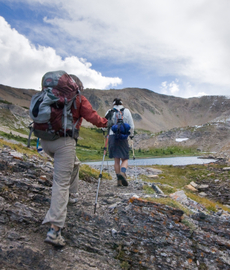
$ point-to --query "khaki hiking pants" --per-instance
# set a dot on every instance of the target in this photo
(65, 177)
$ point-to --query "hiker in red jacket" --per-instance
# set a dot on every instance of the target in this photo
(64, 176)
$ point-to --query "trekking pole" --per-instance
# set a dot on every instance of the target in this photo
(135, 173)
(133, 150)
(103, 130)
(100, 175)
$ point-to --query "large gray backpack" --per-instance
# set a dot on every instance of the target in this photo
(50, 109)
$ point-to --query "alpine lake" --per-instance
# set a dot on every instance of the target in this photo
(174, 161)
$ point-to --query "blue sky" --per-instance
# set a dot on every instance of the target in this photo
(178, 48)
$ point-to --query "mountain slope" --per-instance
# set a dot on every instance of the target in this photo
(155, 112)
(17, 96)
(151, 111)
(203, 121)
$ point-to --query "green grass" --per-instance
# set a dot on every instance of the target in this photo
(142, 131)
(175, 178)
(179, 176)
(20, 148)
(88, 154)
(91, 144)
(91, 138)
(172, 203)
(167, 189)
(18, 138)
(4, 101)
(207, 203)
(92, 149)
(164, 187)
(11, 121)
(86, 172)
(148, 189)
(166, 151)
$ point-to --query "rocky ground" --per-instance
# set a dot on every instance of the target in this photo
(212, 137)
(127, 231)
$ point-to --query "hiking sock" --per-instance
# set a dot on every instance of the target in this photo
(123, 169)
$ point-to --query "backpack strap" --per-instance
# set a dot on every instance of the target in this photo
(75, 132)
(109, 115)
(74, 102)
(119, 115)
(74, 125)
(65, 117)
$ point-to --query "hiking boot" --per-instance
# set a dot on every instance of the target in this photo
(119, 183)
(122, 178)
(55, 238)
(73, 198)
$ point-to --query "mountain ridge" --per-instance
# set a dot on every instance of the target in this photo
(202, 123)
(151, 111)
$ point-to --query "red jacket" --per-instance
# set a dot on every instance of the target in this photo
(85, 110)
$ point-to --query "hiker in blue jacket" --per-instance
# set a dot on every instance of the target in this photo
(118, 144)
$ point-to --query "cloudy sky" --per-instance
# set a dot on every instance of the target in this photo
(179, 48)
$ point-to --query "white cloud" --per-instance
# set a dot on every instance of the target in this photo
(23, 65)
(182, 89)
(177, 38)
(171, 88)
(200, 94)
(188, 40)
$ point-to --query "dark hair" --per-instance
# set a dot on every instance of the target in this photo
(117, 101)
(77, 81)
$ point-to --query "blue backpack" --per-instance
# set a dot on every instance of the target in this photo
(120, 129)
